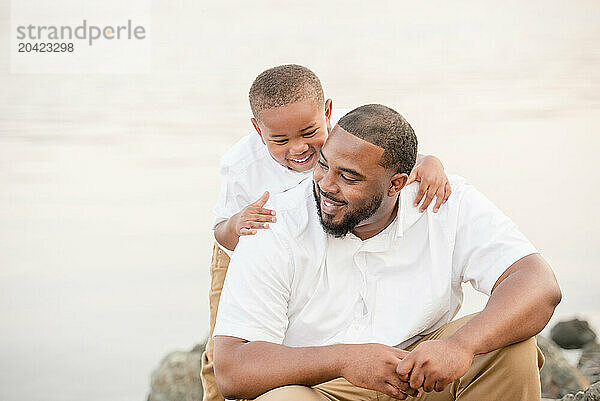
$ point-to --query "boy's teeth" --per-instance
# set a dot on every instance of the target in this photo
(301, 160)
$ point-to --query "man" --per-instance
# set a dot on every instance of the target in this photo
(352, 298)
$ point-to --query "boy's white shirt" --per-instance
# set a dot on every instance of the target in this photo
(248, 170)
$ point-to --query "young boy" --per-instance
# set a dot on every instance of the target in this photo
(292, 119)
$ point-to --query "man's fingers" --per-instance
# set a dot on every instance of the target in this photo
(428, 384)
(417, 376)
(247, 231)
(262, 200)
(403, 386)
(407, 389)
(393, 392)
(440, 386)
(400, 353)
(421, 193)
(404, 367)
(447, 191)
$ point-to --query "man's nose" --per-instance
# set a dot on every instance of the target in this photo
(327, 183)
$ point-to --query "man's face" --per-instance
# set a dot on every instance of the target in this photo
(349, 184)
(295, 133)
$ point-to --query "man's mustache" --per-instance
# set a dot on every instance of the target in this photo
(328, 196)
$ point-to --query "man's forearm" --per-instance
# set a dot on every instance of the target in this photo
(520, 306)
(248, 369)
(225, 234)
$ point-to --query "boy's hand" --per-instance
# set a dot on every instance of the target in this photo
(430, 173)
(254, 217)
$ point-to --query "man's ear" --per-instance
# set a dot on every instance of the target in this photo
(397, 182)
(257, 128)
(328, 108)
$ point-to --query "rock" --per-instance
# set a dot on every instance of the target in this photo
(572, 334)
(589, 362)
(558, 376)
(177, 378)
(591, 394)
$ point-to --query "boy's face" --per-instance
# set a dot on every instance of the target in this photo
(294, 133)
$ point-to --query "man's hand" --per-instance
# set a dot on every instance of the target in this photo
(429, 171)
(254, 217)
(373, 366)
(434, 364)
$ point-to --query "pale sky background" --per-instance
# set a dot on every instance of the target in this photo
(107, 182)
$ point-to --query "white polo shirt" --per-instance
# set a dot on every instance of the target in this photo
(248, 170)
(295, 285)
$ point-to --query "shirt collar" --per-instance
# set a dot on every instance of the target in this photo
(406, 216)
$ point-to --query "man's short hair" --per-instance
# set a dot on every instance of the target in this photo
(387, 129)
(282, 85)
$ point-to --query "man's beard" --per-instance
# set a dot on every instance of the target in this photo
(351, 219)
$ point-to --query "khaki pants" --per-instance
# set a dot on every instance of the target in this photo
(508, 374)
(218, 269)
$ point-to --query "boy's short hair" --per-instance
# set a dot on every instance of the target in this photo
(282, 85)
(387, 129)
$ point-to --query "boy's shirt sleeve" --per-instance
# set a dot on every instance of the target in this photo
(233, 195)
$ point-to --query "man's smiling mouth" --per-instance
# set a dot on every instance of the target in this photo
(328, 205)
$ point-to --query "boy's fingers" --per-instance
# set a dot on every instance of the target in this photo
(428, 199)
(254, 225)
(421, 193)
(439, 199)
(262, 217)
(448, 191)
(262, 200)
(265, 211)
(412, 177)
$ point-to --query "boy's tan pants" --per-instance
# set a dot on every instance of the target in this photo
(510, 373)
(218, 269)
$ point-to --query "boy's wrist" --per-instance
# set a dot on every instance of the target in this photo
(232, 224)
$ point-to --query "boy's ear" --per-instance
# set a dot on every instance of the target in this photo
(397, 182)
(257, 128)
(328, 108)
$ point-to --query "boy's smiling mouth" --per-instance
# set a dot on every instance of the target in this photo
(302, 161)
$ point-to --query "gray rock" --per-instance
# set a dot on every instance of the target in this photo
(177, 378)
(558, 376)
(589, 362)
(591, 394)
(572, 334)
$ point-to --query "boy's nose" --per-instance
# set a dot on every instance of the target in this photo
(298, 148)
